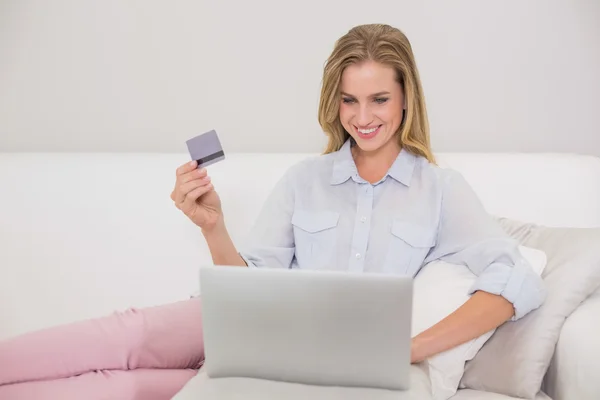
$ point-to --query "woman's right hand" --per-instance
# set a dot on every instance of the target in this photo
(195, 196)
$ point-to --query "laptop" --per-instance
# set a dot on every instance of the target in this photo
(311, 327)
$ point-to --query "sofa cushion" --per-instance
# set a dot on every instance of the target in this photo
(205, 388)
(439, 289)
(468, 394)
(573, 372)
(515, 359)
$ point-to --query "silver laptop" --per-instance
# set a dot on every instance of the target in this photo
(312, 327)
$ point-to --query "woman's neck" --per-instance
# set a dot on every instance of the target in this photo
(373, 166)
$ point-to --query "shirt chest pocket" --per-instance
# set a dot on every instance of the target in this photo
(315, 237)
(409, 244)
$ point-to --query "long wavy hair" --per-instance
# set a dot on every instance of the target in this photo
(389, 46)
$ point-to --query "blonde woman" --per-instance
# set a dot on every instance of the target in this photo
(375, 201)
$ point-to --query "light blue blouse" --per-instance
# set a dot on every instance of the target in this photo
(322, 215)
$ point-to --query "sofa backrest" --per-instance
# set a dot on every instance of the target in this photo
(84, 234)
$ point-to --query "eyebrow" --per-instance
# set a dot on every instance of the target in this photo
(373, 95)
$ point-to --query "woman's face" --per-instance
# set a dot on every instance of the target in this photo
(371, 106)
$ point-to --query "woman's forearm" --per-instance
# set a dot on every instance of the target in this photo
(222, 249)
(480, 314)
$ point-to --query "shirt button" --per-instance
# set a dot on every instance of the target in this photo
(363, 219)
(358, 256)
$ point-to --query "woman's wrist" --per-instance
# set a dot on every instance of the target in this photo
(417, 350)
(214, 230)
(220, 245)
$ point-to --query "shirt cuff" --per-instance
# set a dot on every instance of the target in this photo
(519, 284)
(248, 261)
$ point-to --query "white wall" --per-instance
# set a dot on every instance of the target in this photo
(145, 75)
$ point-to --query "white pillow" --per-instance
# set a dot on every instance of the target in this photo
(439, 289)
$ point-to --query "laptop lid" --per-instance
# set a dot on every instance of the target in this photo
(313, 327)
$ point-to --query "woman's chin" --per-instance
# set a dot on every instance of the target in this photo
(375, 144)
(370, 144)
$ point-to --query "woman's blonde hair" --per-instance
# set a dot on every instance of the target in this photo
(389, 46)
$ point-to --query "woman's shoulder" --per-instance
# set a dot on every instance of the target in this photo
(309, 168)
(313, 164)
(434, 174)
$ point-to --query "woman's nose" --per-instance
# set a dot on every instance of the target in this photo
(365, 117)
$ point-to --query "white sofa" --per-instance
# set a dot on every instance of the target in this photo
(82, 235)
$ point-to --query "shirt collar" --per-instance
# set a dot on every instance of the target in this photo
(344, 167)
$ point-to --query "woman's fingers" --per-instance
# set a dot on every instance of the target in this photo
(190, 200)
(191, 175)
(181, 173)
(185, 168)
(184, 190)
(186, 174)
(190, 185)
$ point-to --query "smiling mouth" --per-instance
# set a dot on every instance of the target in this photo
(368, 133)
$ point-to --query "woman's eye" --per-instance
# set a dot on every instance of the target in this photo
(347, 100)
(381, 100)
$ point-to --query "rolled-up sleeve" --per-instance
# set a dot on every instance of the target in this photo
(468, 235)
(270, 242)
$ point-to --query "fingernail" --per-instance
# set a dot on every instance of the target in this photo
(192, 163)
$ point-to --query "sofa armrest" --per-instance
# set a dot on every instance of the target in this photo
(573, 373)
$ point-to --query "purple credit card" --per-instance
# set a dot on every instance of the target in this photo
(206, 149)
